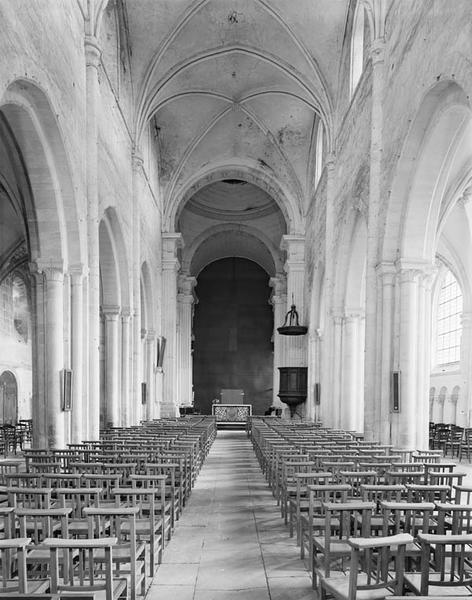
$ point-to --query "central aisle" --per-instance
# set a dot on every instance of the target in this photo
(230, 542)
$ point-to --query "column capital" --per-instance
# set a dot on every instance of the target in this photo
(185, 286)
(93, 52)
(353, 314)
(278, 283)
(111, 312)
(51, 269)
(386, 271)
(337, 315)
(77, 272)
(294, 245)
(125, 313)
(413, 269)
(171, 244)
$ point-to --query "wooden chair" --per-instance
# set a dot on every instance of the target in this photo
(162, 505)
(462, 494)
(78, 499)
(466, 444)
(29, 497)
(288, 486)
(149, 524)
(356, 479)
(445, 566)
(39, 524)
(173, 488)
(454, 518)
(82, 577)
(311, 524)
(411, 518)
(129, 555)
(13, 569)
(370, 576)
(447, 478)
(332, 545)
(376, 494)
(299, 504)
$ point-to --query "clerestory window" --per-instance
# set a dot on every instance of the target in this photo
(449, 326)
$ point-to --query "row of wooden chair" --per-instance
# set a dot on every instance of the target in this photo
(91, 518)
(361, 509)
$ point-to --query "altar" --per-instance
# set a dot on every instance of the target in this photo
(231, 413)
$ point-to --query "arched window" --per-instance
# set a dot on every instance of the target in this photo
(319, 157)
(359, 40)
(449, 327)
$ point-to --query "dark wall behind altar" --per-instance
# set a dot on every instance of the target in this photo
(233, 327)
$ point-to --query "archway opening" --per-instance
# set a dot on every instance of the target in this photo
(8, 398)
(233, 325)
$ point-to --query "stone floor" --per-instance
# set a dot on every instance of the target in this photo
(230, 542)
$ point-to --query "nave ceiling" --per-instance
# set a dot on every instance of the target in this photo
(238, 83)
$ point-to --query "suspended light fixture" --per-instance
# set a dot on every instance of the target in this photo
(291, 324)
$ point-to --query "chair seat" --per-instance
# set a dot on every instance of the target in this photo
(413, 582)
(338, 586)
(35, 586)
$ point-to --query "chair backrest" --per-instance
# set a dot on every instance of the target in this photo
(8, 548)
(450, 569)
(373, 557)
(425, 492)
(81, 557)
(454, 518)
(41, 523)
(406, 517)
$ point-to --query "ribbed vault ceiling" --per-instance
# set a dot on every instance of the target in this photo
(236, 81)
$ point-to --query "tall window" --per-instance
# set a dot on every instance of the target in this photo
(449, 325)
(357, 47)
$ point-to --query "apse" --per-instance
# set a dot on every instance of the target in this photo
(233, 324)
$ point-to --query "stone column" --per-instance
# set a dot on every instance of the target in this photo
(408, 356)
(278, 300)
(92, 58)
(171, 242)
(335, 392)
(112, 362)
(386, 274)
(372, 387)
(136, 375)
(39, 358)
(326, 372)
(79, 399)
(125, 368)
(150, 363)
(185, 301)
(466, 367)
(424, 357)
(351, 349)
(54, 353)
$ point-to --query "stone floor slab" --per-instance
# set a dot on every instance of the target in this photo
(230, 542)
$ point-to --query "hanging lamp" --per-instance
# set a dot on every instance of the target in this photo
(291, 324)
